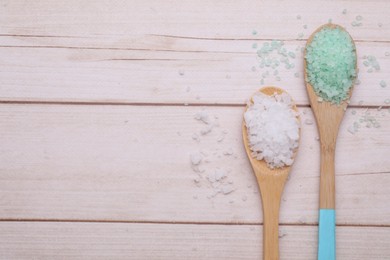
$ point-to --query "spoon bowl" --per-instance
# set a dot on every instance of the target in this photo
(271, 183)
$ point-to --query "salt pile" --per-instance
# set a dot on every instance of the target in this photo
(273, 129)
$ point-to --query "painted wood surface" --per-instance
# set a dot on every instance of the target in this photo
(53, 240)
(97, 105)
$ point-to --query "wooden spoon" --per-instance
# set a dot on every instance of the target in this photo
(271, 183)
(328, 117)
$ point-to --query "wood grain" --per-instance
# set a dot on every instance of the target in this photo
(224, 19)
(214, 72)
(94, 163)
(51, 240)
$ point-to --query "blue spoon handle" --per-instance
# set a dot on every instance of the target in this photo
(327, 235)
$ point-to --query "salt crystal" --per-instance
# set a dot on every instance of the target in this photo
(228, 152)
(383, 84)
(188, 89)
(203, 116)
(219, 174)
(227, 189)
(196, 158)
(206, 130)
(308, 122)
(273, 129)
(352, 130)
(195, 137)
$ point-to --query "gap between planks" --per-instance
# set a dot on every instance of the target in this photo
(166, 36)
(182, 222)
(146, 104)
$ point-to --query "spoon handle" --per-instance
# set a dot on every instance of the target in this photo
(271, 193)
(327, 220)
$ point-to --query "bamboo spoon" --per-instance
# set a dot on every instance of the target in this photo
(271, 183)
(328, 117)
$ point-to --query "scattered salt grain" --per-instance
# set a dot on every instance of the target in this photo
(181, 72)
(308, 121)
(227, 189)
(383, 84)
(379, 24)
(244, 198)
(299, 17)
(345, 11)
(220, 138)
(206, 130)
(195, 137)
(188, 89)
(196, 158)
(202, 116)
(228, 152)
(273, 129)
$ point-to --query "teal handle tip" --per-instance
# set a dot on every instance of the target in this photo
(327, 235)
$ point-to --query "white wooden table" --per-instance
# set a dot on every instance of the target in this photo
(97, 104)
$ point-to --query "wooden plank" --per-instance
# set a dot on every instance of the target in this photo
(132, 163)
(205, 19)
(50, 71)
(48, 240)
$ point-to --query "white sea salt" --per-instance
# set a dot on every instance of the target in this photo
(273, 129)
(308, 121)
(196, 158)
(202, 116)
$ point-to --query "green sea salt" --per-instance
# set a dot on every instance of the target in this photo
(331, 61)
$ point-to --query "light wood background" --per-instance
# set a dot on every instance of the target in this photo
(95, 136)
